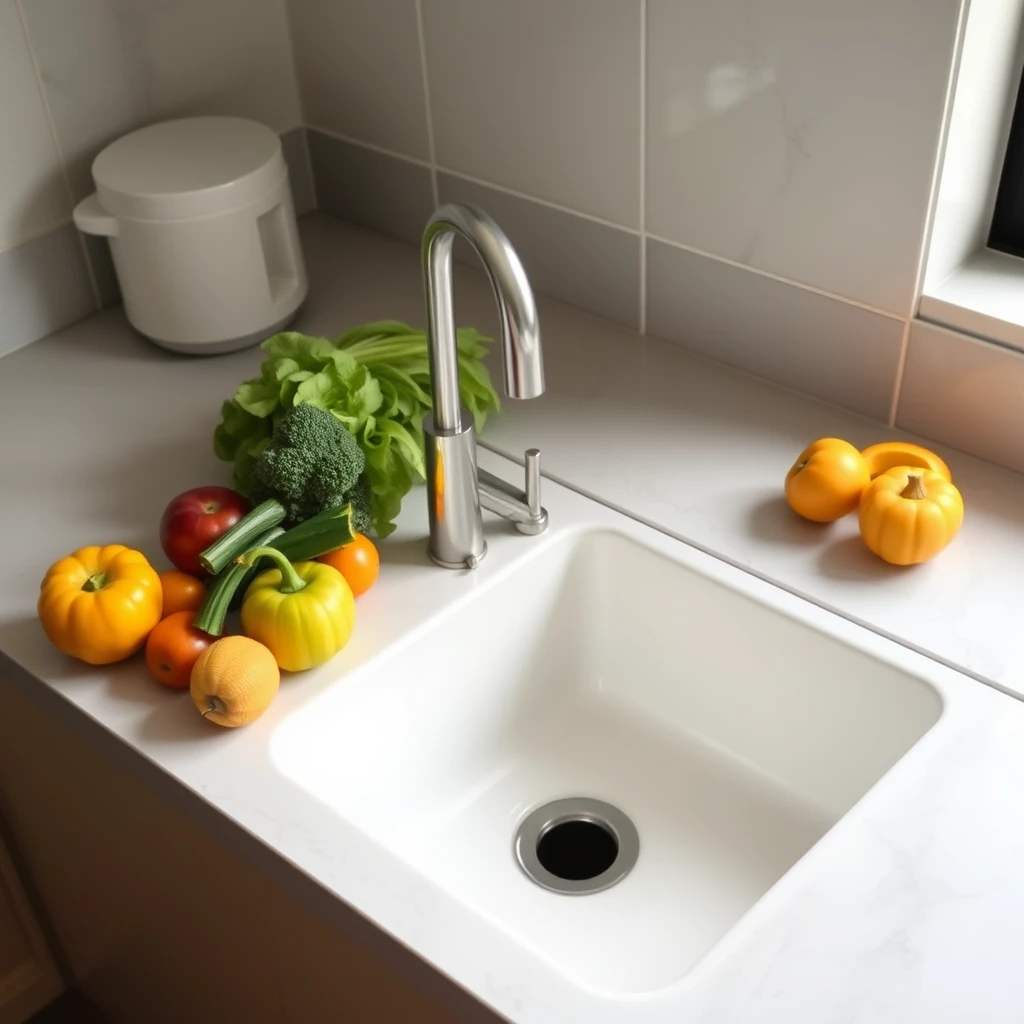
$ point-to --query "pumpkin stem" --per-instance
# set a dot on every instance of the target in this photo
(95, 582)
(915, 488)
(291, 581)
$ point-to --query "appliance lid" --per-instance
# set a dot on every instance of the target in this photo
(192, 167)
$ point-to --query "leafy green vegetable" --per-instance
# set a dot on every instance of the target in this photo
(375, 379)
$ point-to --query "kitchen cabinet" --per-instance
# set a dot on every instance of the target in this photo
(161, 921)
(28, 977)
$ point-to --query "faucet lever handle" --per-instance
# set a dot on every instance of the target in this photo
(533, 482)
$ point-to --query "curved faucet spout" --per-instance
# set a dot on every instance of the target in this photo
(457, 488)
(524, 366)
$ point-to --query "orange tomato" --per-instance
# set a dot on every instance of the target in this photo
(182, 593)
(174, 647)
(826, 481)
(358, 562)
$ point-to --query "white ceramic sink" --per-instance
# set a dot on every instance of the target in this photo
(732, 735)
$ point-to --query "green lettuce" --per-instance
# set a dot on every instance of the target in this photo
(376, 380)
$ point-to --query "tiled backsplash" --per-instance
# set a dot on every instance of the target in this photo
(751, 180)
(76, 74)
(748, 179)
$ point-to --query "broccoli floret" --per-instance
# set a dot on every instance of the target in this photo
(310, 464)
(359, 497)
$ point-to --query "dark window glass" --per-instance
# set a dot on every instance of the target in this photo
(1007, 232)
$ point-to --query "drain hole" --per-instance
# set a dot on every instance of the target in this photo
(576, 846)
(577, 849)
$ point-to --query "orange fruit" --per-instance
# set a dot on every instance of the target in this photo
(234, 681)
(182, 593)
(358, 562)
(827, 480)
(173, 648)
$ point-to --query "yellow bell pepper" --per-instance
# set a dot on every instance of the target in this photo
(304, 613)
(100, 603)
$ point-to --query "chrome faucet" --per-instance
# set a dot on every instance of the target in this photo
(456, 488)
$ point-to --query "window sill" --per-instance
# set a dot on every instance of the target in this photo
(983, 297)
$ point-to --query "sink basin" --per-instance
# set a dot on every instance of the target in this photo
(732, 736)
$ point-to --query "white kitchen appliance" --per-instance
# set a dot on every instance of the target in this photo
(202, 231)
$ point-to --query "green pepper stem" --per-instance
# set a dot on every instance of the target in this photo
(291, 581)
(95, 582)
(224, 588)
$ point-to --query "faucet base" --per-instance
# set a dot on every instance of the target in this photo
(533, 527)
(453, 501)
(470, 562)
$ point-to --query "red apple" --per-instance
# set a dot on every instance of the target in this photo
(194, 520)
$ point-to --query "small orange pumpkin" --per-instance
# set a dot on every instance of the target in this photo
(908, 515)
(893, 454)
(826, 481)
(100, 603)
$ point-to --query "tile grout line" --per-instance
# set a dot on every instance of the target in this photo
(34, 236)
(431, 148)
(309, 167)
(778, 278)
(539, 202)
(643, 166)
(372, 146)
(645, 236)
(289, 28)
(40, 85)
(901, 366)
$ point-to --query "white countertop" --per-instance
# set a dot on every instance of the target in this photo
(916, 915)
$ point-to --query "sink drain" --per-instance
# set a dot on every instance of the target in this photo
(576, 846)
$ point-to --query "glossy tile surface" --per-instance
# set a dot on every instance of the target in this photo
(799, 137)
(371, 188)
(33, 196)
(824, 347)
(965, 393)
(589, 265)
(540, 97)
(113, 65)
(43, 286)
(360, 71)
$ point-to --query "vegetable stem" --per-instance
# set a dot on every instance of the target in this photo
(242, 535)
(915, 489)
(218, 599)
(95, 582)
(325, 532)
(291, 581)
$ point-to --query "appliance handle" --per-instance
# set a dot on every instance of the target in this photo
(91, 218)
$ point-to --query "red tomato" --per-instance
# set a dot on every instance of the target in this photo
(358, 562)
(194, 520)
(173, 648)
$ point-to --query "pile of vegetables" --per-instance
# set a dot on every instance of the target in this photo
(102, 604)
(375, 380)
(309, 473)
(325, 444)
(908, 508)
